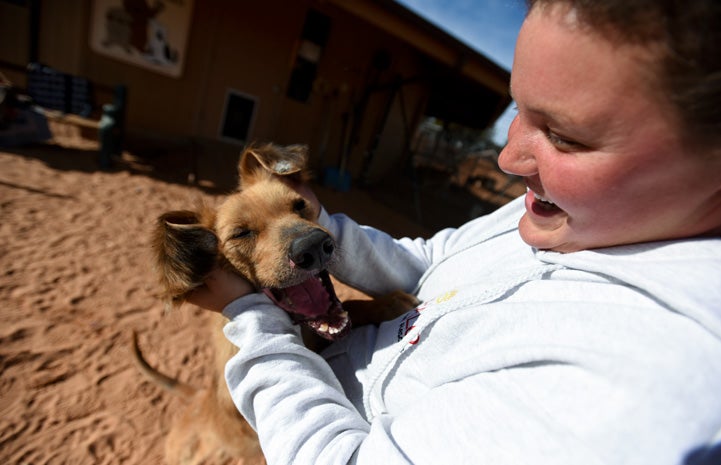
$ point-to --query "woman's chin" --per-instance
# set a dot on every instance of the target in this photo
(544, 236)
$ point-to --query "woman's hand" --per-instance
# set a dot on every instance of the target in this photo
(220, 288)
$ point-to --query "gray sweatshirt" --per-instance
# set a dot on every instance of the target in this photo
(516, 356)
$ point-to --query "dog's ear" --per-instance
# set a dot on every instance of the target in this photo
(290, 160)
(186, 250)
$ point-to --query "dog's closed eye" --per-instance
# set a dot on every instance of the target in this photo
(240, 233)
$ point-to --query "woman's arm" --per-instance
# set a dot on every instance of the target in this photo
(288, 393)
(372, 261)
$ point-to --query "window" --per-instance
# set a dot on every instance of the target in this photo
(238, 116)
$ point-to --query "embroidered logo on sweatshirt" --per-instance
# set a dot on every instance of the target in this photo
(446, 297)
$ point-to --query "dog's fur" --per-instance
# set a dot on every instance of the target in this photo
(266, 232)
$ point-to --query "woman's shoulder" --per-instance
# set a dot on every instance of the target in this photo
(682, 275)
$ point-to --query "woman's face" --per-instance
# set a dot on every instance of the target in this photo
(600, 154)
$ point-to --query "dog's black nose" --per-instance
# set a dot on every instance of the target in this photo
(312, 251)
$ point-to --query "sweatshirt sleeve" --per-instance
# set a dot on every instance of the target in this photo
(374, 262)
(289, 394)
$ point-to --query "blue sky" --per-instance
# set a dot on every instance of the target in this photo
(488, 26)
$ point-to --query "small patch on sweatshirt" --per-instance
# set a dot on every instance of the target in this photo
(408, 321)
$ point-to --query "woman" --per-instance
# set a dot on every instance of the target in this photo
(579, 324)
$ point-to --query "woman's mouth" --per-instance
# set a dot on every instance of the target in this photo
(540, 205)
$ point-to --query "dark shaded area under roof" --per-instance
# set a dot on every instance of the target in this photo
(457, 99)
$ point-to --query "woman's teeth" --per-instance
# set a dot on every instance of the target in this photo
(542, 199)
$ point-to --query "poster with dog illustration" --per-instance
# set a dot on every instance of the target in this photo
(148, 33)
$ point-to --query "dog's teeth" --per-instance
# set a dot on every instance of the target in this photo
(323, 327)
(343, 314)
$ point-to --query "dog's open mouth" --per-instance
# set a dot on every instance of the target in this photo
(314, 304)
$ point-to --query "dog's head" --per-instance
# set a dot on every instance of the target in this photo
(266, 232)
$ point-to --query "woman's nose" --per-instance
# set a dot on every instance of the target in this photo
(517, 156)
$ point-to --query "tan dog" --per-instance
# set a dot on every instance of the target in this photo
(266, 232)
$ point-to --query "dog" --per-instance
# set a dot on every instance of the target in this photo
(158, 49)
(266, 232)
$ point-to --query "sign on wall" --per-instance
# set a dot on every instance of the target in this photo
(151, 34)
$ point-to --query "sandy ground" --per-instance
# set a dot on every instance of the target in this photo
(75, 281)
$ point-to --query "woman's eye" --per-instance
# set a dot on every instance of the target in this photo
(562, 142)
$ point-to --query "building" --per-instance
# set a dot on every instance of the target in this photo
(352, 79)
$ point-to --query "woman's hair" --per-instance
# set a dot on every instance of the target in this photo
(688, 35)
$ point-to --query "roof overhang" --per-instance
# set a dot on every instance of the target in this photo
(397, 20)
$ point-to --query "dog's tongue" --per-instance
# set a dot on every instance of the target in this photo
(308, 298)
(315, 305)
